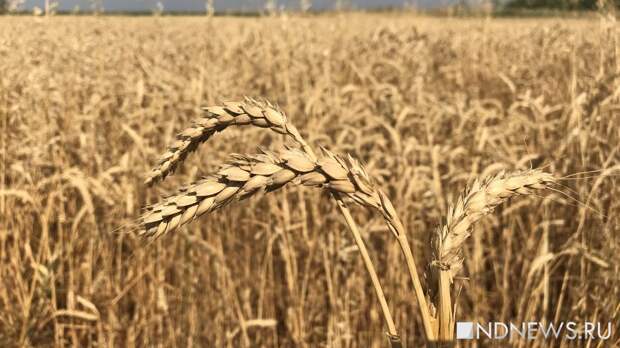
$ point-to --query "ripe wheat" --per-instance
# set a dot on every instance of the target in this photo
(216, 119)
(265, 115)
(410, 93)
(480, 200)
(476, 202)
(247, 175)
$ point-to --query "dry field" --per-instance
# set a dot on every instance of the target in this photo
(87, 105)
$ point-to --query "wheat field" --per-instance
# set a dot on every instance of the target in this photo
(427, 105)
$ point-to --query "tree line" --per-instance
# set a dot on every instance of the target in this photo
(570, 5)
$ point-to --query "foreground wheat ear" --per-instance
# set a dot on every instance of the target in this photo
(476, 202)
(246, 175)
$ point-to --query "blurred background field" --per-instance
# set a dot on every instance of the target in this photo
(87, 104)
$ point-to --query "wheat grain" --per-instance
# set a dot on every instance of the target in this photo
(478, 201)
(216, 119)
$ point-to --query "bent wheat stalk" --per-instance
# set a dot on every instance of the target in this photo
(245, 176)
(481, 199)
(397, 228)
(261, 114)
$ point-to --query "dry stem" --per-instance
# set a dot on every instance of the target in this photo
(481, 199)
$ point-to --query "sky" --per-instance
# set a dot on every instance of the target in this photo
(227, 5)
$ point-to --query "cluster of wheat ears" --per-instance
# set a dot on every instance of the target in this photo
(345, 178)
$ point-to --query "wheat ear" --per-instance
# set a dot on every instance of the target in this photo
(479, 200)
(247, 175)
(216, 119)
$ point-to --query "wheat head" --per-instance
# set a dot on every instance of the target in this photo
(479, 200)
(216, 119)
(247, 175)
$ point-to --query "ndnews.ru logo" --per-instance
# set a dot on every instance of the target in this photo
(532, 330)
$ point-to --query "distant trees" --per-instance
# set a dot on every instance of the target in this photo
(560, 4)
(9, 6)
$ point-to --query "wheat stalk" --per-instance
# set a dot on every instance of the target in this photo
(247, 175)
(216, 119)
(185, 206)
(476, 202)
